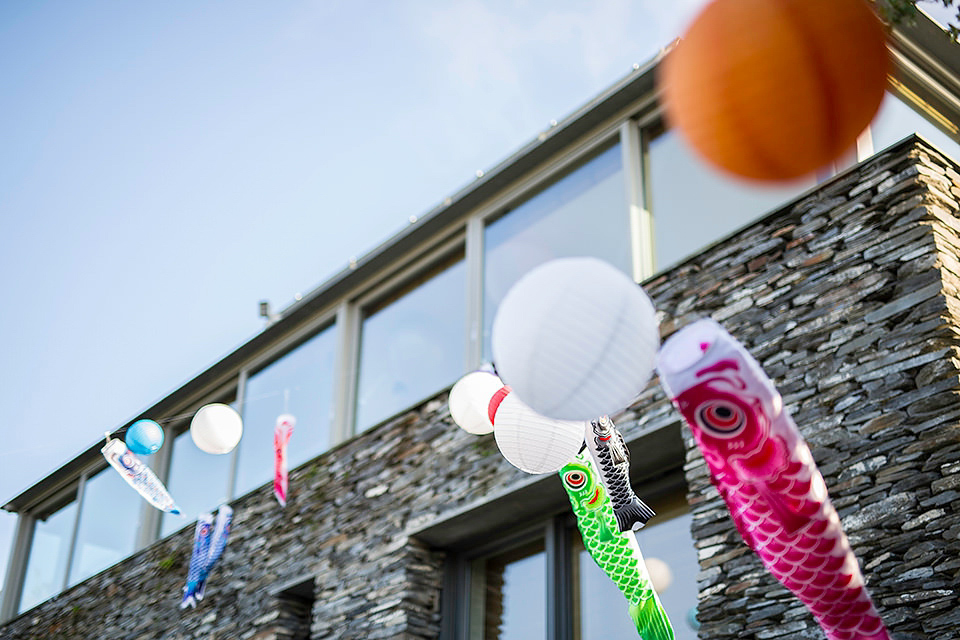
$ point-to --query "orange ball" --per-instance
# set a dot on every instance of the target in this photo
(776, 89)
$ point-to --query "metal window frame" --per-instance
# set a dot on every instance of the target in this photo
(17, 566)
(638, 209)
(19, 560)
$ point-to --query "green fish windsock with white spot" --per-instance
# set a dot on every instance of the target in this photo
(615, 552)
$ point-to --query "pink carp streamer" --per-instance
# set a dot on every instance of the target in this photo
(281, 437)
(764, 470)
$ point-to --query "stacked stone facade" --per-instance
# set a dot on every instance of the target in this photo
(849, 299)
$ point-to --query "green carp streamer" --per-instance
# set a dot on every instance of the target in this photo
(616, 553)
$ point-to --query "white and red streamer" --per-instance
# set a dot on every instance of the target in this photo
(281, 438)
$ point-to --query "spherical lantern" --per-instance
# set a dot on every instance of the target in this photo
(470, 399)
(661, 576)
(774, 90)
(575, 339)
(532, 442)
(144, 437)
(216, 428)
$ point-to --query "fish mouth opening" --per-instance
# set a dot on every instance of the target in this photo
(596, 496)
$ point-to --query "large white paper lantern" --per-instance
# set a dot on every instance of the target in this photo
(216, 428)
(532, 442)
(470, 401)
(575, 339)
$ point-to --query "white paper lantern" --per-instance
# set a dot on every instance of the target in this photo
(661, 576)
(216, 428)
(532, 442)
(470, 401)
(575, 338)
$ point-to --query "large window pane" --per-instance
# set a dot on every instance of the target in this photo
(108, 524)
(197, 481)
(510, 594)
(47, 563)
(671, 559)
(896, 120)
(412, 347)
(301, 384)
(694, 205)
(583, 214)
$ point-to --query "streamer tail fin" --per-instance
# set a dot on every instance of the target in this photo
(651, 620)
(633, 515)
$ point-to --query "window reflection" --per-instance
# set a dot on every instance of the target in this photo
(47, 563)
(687, 219)
(412, 346)
(583, 214)
(107, 529)
(671, 560)
(301, 384)
(513, 598)
(197, 482)
(896, 120)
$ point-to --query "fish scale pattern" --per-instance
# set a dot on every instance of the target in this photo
(816, 561)
(766, 474)
(616, 553)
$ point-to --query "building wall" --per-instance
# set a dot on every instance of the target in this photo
(848, 298)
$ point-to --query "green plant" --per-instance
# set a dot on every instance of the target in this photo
(903, 11)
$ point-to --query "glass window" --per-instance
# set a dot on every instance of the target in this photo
(510, 591)
(301, 384)
(687, 219)
(585, 213)
(671, 560)
(197, 481)
(412, 345)
(107, 529)
(49, 552)
(896, 120)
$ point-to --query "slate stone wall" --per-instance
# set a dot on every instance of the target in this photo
(848, 298)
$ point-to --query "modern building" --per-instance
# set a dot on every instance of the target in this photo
(845, 287)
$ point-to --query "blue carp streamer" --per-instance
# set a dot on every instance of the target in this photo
(209, 541)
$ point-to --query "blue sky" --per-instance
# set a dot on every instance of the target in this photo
(165, 166)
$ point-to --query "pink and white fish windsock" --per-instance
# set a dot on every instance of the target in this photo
(281, 437)
(764, 470)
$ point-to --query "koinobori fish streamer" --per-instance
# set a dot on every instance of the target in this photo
(766, 475)
(617, 553)
(209, 541)
(612, 458)
(281, 438)
(138, 475)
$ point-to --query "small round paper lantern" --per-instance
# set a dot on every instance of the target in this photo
(661, 576)
(470, 399)
(144, 437)
(575, 339)
(532, 442)
(774, 90)
(216, 428)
